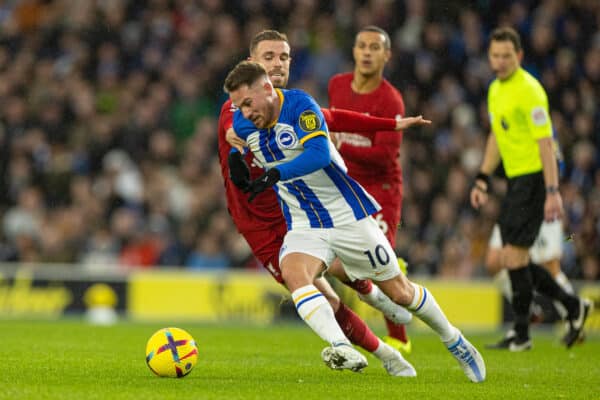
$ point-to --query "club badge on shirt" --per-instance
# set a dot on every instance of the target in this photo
(286, 139)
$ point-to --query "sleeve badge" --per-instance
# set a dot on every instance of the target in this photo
(309, 121)
(539, 116)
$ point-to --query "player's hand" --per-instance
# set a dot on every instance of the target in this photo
(234, 140)
(408, 122)
(262, 183)
(239, 173)
(479, 194)
(553, 207)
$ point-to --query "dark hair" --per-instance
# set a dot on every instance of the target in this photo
(504, 34)
(387, 43)
(268, 34)
(244, 73)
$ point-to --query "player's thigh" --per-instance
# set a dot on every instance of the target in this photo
(336, 269)
(548, 244)
(364, 251)
(313, 242)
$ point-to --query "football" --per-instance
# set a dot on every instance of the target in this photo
(171, 352)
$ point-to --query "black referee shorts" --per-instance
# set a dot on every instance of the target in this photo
(522, 210)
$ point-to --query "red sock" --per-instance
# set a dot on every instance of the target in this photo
(362, 287)
(397, 331)
(355, 329)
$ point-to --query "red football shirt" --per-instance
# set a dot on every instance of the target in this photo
(373, 158)
(370, 156)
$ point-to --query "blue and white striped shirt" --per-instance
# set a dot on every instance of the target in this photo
(314, 191)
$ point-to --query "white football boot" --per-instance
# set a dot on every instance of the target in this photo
(398, 366)
(343, 356)
(469, 358)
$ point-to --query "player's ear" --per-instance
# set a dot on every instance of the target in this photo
(388, 55)
(268, 86)
(520, 56)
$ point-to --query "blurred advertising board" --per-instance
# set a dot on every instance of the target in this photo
(42, 291)
(52, 291)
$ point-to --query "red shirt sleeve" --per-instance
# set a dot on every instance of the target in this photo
(382, 154)
(339, 120)
(226, 117)
(384, 151)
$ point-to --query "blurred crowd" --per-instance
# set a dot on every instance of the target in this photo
(108, 113)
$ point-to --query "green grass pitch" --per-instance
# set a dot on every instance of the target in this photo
(69, 359)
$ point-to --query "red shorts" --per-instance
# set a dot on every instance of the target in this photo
(265, 245)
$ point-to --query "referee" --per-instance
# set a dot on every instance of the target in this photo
(521, 138)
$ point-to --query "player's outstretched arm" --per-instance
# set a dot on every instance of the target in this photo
(409, 122)
(339, 120)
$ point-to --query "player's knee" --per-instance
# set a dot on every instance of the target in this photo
(294, 278)
(515, 257)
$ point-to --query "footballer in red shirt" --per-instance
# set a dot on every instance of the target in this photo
(372, 157)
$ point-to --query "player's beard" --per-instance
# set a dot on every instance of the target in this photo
(279, 81)
(264, 119)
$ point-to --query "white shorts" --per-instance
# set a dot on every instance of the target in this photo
(362, 248)
(547, 245)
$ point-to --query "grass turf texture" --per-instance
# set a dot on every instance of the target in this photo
(68, 359)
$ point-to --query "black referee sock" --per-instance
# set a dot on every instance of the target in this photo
(522, 286)
(545, 284)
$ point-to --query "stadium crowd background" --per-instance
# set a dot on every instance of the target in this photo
(108, 113)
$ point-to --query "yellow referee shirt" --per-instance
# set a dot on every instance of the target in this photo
(518, 108)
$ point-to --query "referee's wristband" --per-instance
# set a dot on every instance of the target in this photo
(551, 189)
(482, 177)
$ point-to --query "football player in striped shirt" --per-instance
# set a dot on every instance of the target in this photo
(328, 215)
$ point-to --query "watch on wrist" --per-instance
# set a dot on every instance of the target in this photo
(551, 189)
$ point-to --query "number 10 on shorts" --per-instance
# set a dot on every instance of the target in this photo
(380, 254)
